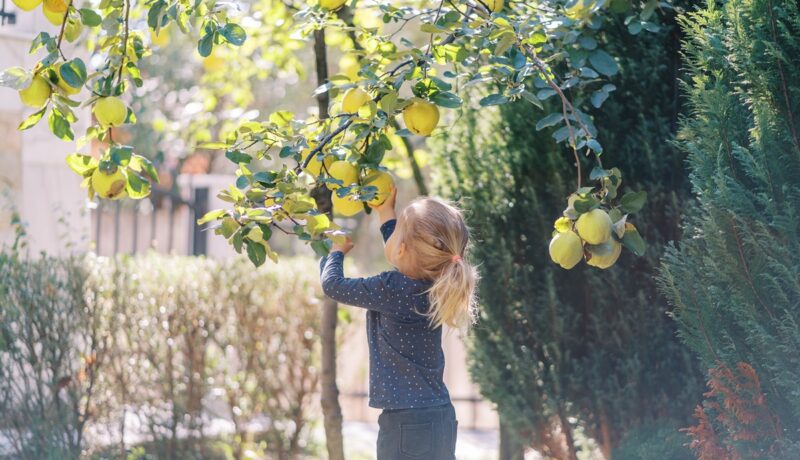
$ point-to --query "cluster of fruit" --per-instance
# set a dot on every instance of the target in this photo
(343, 173)
(593, 236)
(54, 11)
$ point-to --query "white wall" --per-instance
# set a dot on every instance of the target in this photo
(32, 167)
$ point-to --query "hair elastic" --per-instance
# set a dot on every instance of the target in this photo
(456, 258)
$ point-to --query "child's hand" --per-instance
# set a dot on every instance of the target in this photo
(386, 209)
(343, 247)
(388, 203)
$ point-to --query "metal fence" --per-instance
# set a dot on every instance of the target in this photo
(165, 221)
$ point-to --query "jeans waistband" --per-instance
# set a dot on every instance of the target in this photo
(395, 417)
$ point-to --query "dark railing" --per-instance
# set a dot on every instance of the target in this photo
(159, 199)
(7, 17)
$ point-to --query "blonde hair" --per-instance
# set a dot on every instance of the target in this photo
(437, 238)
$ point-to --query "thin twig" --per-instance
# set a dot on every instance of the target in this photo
(61, 31)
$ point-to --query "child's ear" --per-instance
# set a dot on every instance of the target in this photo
(401, 250)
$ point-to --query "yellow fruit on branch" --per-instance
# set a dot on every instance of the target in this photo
(353, 99)
(347, 206)
(566, 249)
(594, 226)
(494, 5)
(343, 171)
(384, 182)
(332, 4)
(110, 111)
(27, 5)
(109, 185)
(37, 93)
(54, 11)
(314, 166)
(605, 254)
(421, 117)
(349, 66)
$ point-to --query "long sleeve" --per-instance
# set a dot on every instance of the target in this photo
(372, 293)
(387, 228)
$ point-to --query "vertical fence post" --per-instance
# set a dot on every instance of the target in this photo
(117, 213)
(97, 214)
(197, 209)
(153, 212)
(171, 229)
(135, 215)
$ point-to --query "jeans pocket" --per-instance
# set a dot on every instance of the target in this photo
(416, 439)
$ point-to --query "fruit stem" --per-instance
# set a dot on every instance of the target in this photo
(565, 104)
(63, 28)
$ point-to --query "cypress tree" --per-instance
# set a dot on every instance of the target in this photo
(553, 344)
(734, 279)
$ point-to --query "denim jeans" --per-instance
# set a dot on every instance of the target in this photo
(427, 433)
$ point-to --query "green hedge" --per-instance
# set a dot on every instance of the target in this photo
(85, 341)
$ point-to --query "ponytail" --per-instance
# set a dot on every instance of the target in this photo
(438, 237)
(452, 296)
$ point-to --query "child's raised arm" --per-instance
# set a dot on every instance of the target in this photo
(372, 293)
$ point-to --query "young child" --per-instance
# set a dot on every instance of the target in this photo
(432, 285)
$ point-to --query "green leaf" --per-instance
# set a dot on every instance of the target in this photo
(211, 215)
(530, 97)
(594, 145)
(549, 120)
(121, 154)
(42, 39)
(256, 252)
(32, 120)
(633, 202)
(16, 78)
(90, 17)
(154, 14)
(233, 33)
(597, 173)
(205, 45)
(73, 73)
(586, 204)
(82, 164)
(603, 63)
(493, 99)
(237, 156)
(142, 164)
(137, 187)
(228, 227)
(321, 247)
(633, 241)
(59, 126)
(447, 99)
(242, 182)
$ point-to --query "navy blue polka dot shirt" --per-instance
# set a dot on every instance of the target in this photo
(406, 361)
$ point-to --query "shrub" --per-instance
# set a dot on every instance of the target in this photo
(94, 343)
(52, 344)
(588, 345)
(733, 279)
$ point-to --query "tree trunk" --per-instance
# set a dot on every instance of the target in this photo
(510, 447)
(331, 410)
